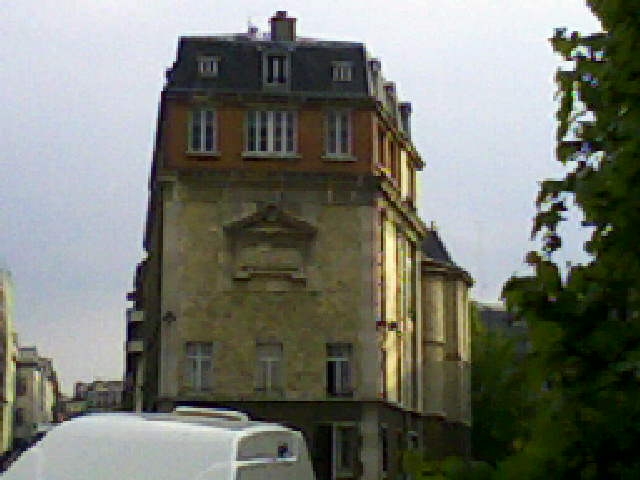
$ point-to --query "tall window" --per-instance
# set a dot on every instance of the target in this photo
(276, 72)
(200, 365)
(21, 386)
(339, 369)
(19, 418)
(338, 133)
(271, 131)
(202, 131)
(337, 445)
(269, 367)
(345, 448)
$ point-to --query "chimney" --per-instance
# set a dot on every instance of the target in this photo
(283, 28)
(405, 117)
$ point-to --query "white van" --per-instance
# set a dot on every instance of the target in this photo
(188, 444)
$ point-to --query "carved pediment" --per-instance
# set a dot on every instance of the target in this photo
(270, 243)
(271, 221)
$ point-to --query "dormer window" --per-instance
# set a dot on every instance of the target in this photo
(208, 66)
(341, 71)
(276, 69)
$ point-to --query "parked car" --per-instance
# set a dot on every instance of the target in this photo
(202, 444)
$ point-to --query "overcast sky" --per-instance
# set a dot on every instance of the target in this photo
(79, 89)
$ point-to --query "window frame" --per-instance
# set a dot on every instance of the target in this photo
(341, 118)
(202, 124)
(253, 132)
(337, 363)
(284, 70)
(342, 71)
(214, 61)
(269, 367)
(196, 376)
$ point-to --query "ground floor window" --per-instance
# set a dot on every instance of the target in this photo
(336, 450)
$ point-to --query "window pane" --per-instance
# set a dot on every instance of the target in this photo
(344, 133)
(345, 377)
(209, 131)
(251, 131)
(331, 127)
(263, 132)
(205, 374)
(196, 126)
(277, 136)
(331, 377)
(290, 132)
(270, 67)
(192, 348)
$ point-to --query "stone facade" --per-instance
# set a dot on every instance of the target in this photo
(297, 285)
(36, 395)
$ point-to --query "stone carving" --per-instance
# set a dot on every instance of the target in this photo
(270, 243)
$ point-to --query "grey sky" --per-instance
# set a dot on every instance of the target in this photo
(80, 82)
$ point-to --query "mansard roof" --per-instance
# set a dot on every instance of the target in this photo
(240, 67)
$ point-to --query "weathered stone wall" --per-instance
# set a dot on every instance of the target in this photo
(327, 300)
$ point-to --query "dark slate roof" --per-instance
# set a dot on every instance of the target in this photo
(240, 65)
(434, 248)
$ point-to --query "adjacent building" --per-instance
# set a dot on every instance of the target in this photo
(98, 396)
(36, 395)
(8, 341)
(287, 272)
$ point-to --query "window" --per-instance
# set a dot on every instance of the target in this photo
(339, 369)
(337, 445)
(341, 71)
(269, 367)
(21, 386)
(338, 133)
(384, 446)
(276, 69)
(344, 449)
(19, 420)
(199, 365)
(271, 131)
(202, 131)
(208, 66)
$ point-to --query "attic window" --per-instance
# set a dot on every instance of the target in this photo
(341, 71)
(208, 66)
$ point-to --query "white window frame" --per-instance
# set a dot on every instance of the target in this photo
(281, 69)
(258, 118)
(269, 366)
(341, 71)
(340, 363)
(196, 365)
(208, 66)
(203, 119)
(335, 123)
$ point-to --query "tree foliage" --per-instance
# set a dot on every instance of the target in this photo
(587, 324)
(503, 395)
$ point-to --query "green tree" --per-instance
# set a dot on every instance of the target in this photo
(502, 394)
(586, 322)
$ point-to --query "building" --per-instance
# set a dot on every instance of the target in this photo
(98, 396)
(8, 347)
(36, 395)
(287, 272)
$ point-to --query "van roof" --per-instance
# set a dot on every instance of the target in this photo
(139, 447)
